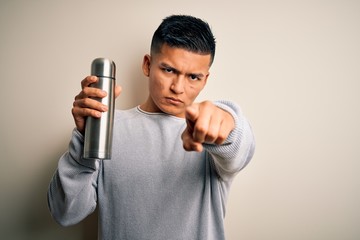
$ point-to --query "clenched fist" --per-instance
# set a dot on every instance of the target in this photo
(206, 123)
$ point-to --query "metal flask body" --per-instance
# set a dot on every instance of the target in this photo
(99, 131)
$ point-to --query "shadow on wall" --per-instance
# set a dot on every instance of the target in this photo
(37, 218)
(133, 82)
(90, 227)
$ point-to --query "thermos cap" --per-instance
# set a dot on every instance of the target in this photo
(103, 67)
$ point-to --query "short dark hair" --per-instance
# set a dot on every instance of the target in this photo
(186, 32)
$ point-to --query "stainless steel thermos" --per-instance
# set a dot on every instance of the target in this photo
(98, 131)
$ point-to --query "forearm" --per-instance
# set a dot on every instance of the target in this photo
(236, 152)
(72, 191)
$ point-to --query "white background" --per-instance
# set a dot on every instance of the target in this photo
(293, 66)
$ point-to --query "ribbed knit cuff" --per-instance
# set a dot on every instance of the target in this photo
(76, 149)
(229, 148)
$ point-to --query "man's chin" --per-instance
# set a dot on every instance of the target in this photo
(176, 112)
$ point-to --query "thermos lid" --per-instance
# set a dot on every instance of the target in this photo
(103, 67)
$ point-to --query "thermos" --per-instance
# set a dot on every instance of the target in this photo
(99, 131)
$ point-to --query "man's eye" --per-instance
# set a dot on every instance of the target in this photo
(168, 70)
(194, 77)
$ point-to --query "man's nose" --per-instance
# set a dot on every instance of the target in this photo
(178, 84)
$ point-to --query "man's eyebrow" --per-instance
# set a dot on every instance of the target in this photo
(198, 75)
(166, 65)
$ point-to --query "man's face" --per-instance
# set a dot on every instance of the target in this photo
(176, 77)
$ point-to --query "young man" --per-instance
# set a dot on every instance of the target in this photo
(173, 160)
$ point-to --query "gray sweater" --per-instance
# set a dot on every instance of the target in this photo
(151, 188)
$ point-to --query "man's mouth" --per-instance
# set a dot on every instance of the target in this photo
(174, 100)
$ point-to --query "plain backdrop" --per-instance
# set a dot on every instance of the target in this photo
(293, 66)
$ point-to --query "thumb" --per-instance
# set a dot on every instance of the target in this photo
(117, 90)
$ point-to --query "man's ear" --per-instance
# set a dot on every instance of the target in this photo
(146, 65)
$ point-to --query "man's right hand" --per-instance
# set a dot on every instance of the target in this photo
(84, 106)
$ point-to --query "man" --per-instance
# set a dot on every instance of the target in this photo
(173, 160)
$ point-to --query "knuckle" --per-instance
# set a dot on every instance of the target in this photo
(201, 130)
(80, 95)
(83, 102)
(89, 103)
(88, 80)
(221, 138)
(77, 112)
(211, 136)
(86, 101)
(86, 91)
(207, 104)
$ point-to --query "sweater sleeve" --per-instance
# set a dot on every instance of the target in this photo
(238, 149)
(72, 191)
